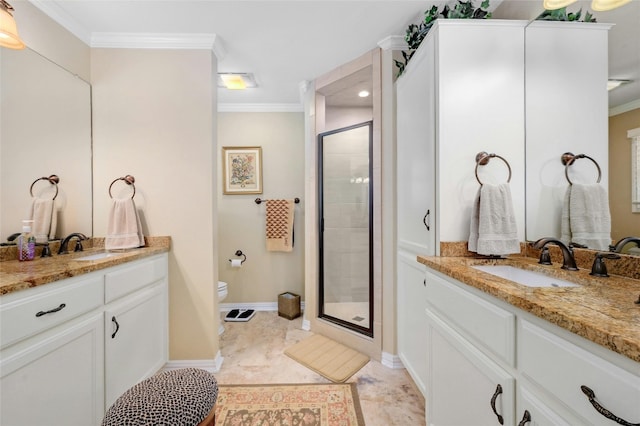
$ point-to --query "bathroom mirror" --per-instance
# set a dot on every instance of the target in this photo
(346, 229)
(545, 175)
(45, 129)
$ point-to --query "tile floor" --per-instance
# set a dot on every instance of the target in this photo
(254, 354)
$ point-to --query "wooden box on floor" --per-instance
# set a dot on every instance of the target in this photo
(289, 305)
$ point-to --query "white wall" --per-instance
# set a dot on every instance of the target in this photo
(155, 118)
(241, 221)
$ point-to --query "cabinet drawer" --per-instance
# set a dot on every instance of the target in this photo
(561, 368)
(485, 323)
(48, 306)
(134, 277)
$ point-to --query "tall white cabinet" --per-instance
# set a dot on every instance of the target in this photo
(461, 93)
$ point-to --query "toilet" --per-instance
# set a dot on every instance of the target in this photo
(222, 294)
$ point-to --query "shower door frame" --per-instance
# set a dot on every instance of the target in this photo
(367, 331)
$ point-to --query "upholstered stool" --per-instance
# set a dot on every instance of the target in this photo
(175, 397)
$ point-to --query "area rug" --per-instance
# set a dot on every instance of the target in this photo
(327, 357)
(289, 404)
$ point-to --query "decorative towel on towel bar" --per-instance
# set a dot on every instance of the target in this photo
(493, 224)
(45, 219)
(586, 218)
(279, 225)
(124, 229)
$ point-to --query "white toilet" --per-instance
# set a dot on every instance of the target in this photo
(222, 294)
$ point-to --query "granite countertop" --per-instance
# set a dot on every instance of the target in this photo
(602, 310)
(16, 275)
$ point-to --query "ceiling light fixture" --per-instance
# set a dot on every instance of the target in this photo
(612, 84)
(363, 93)
(8, 29)
(236, 80)
(597, 5)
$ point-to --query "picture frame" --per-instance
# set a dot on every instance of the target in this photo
(242, 170)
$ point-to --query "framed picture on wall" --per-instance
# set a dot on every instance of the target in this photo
(242, 170)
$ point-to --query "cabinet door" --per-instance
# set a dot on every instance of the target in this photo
(533, 412)
(464, 386)
(56, 377)
(412, 344)
(135, 339)
(416, 135)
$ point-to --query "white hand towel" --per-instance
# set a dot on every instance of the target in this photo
(565, 223)
(589, 216)
(124, 229)
(497, 232)
(45, 219)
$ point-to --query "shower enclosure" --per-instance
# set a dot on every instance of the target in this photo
(346, 227)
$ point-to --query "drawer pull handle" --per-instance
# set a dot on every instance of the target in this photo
(493, 403)
(58, 309)
(424, 220)
(600, 409)
(525, 419)
(113, 320)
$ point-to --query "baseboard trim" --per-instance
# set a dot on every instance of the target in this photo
(391, 361)
(259, 306)
(210, 365)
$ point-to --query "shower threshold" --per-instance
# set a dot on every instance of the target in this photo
(240, 315)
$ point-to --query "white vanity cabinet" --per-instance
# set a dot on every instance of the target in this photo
(59, 364)
(477, 342)
(136, 323)
(412, 347)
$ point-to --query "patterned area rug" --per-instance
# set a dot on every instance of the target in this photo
(289, 405)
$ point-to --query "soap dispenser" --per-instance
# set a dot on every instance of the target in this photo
(26, 242)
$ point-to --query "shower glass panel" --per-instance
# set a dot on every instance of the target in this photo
(346, 230)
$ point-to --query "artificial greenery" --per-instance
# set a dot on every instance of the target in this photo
(562, 15)
(416, 32)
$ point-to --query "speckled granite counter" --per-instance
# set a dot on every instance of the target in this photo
(15, 275)
(602, 310)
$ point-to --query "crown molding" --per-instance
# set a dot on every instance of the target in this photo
(59, 15)
(158, 41)
(621, 109)
(393, 42)
(222, 107)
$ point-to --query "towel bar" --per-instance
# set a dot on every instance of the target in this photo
(129, 180)
(568, 158)
(53, 180)
(482, 159)
(295, 200)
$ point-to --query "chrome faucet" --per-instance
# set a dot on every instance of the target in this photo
(623, 242)
(65, 243)
(568, 261)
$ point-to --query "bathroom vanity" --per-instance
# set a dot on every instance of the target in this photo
(496, 349)
(75, 334)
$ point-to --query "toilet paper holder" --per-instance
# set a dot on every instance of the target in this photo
(239, 253)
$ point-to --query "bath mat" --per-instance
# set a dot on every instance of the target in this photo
(290, 404)
(328, 358)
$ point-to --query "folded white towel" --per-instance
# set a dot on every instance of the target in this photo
(589, 216)
(45, 219)
(124, 229)
(475, 222)
(496, 223)
(565, 223)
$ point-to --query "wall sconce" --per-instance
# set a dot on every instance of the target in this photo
(597, 5)
(8, 30)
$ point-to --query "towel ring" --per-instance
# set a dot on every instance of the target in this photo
(53, 180)
(482, 159)
(568, 158)
(129, 180)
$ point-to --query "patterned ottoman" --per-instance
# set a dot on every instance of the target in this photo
(177, 397)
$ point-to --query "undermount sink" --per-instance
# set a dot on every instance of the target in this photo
(524, 276)
(97, 256)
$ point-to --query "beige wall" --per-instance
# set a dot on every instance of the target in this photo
(623, 222)
(45, 36)
(154, 118)
(241, 221)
